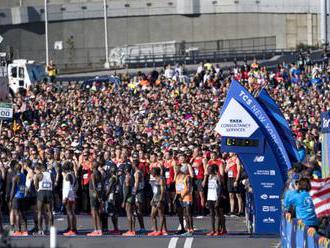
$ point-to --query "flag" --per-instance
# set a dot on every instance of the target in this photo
(320, 194)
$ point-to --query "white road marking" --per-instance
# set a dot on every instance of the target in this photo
(173, 242)
(188, 243)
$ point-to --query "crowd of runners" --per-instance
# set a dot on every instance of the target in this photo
(144, 146)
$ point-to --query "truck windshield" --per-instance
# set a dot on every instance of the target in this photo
(36, 72)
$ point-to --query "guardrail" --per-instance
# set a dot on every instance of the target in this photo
(195, 58)
(295, 234)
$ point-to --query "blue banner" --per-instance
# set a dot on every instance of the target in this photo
(325, 122)
(280, 122)
(325, 137)
(247, 130)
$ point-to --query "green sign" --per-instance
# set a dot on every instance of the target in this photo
(6, 111)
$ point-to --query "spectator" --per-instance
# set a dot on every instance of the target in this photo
(302, 203)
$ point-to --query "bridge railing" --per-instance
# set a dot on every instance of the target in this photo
(295, 234)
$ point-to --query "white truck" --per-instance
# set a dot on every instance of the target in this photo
(23, 73)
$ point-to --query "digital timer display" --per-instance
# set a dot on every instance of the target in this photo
(242, 142)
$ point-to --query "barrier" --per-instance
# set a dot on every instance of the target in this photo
(295, 234)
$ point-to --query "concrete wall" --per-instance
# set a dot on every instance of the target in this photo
(79, 24)
(84, 40)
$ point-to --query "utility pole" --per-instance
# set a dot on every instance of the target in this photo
(323, 24)
(46, 33)
(105, 10)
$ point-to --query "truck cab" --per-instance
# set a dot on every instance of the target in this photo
(23, 73)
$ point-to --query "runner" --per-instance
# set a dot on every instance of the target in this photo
(10, 174)
(183, 187)
(233, 170)
(44, 183)
(69, 188)
(113, 197)
(95, 196)
(85, 165)
(129, 200)
(158, 203)
(169, 166)
(17, 199)
(215, 197)
(138, 191)
(198, 163)
(31, 193)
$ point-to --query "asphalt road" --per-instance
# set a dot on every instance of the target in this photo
(237, 237)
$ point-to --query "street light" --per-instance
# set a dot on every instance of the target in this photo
(323, 24)
(46, 32)
(105, 10)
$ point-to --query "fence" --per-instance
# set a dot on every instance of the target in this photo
(295, 234)
(75, 58)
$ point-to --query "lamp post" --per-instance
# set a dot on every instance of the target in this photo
(323, 23)
(105, 10)
(46, 33)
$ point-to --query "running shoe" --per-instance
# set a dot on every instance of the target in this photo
(152, 233)
(210, 233)
(94, 234)
(220, 233)
(129, 233)
(158, 234)
(70, 233)
(164, 233)
(16, 234)
(24, 234)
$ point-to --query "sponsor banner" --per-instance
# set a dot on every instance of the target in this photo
(265, 173)
(235, 121)
(325, 122)
(325, 155)
(275, 114)
(266, 164)
(325, 137)
(266, 197)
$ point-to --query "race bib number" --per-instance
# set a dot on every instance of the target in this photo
(155, 190)
(111, 196)
(22, 188)
(152, 178)
(46, 185)
(99, 187)
(230, 173)
(85, 176)
(196, 171)
(167, 174)
(179, 187)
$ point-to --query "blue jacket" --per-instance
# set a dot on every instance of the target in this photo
(303, 205)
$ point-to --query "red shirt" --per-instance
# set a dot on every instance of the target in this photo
(144, 167)
(169, 171)
(232, 167)
(198, 168)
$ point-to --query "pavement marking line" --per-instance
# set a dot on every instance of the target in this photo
(173, 242)
(188, 243)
